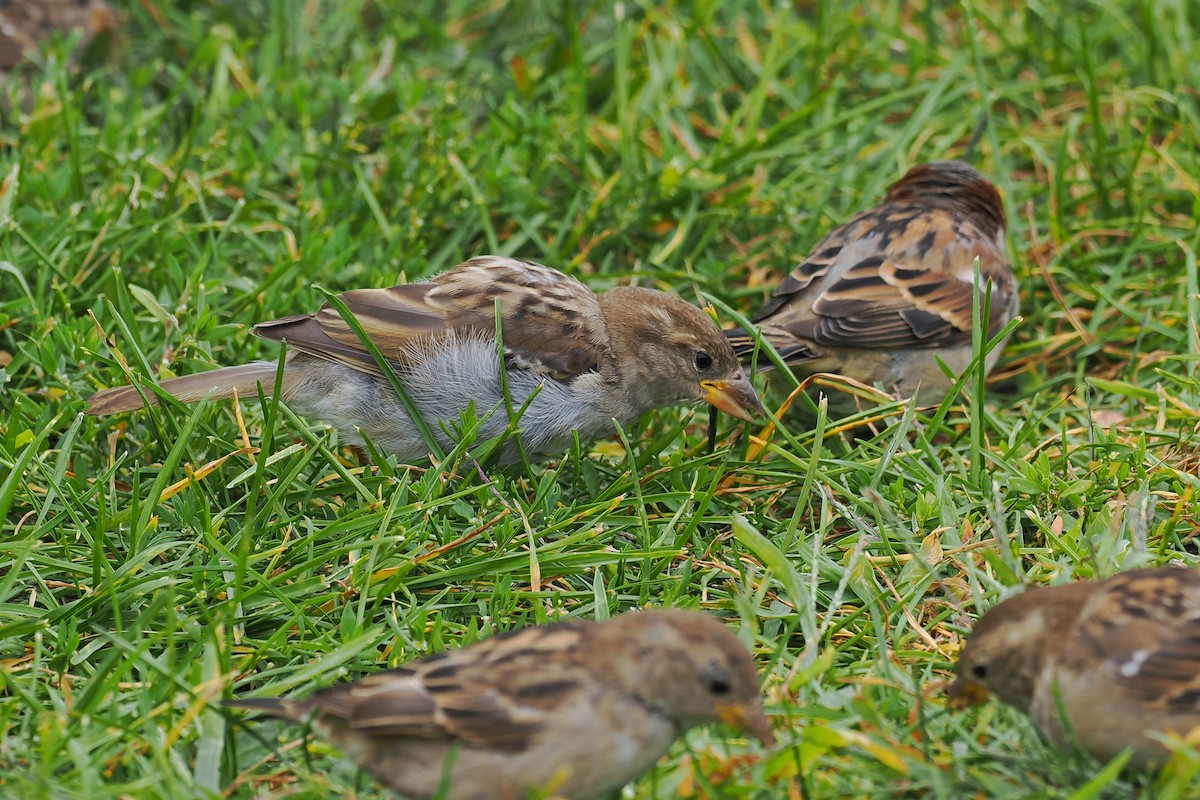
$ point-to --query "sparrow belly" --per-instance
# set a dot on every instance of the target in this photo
(578, 759)
(1104, 718)
(457, 380)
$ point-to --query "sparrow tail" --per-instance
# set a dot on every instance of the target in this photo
(225, 381)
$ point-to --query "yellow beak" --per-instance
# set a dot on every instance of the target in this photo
(965, 693)
(736, 398)
(751, 719)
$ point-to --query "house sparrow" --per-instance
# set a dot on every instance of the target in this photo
(577, 708)
(591, 359)
(886, 295)
(1121, 656)
(23, 23)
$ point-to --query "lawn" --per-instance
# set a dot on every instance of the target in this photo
(226, 161)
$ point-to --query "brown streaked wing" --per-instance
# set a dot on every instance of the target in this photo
(394, 319)
(910, 294)
(551, 322)
(816, 265)
(485, 717)
(304, 333)
(1154, 615)
(1169, 676)
(491, 694)
(495, 693)
(399, 704)
(387, 703)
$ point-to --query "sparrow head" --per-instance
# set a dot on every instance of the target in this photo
(668, 351)
(689, 667)
(956, 187)
(1011, 643)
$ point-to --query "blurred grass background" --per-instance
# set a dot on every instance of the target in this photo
(225, 157)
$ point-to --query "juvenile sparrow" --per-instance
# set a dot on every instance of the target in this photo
(589, 358)
(883, 297)
(1121, 656)
(23, 23)
(577, 708)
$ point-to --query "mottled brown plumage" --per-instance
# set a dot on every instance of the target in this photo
(584, 359)
(884, 296)
(581, 708)
(551, 322)
(1121, 655)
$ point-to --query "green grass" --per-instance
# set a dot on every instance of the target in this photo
(232, 156)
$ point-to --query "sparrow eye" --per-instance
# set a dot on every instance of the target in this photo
(719, 686)
(979, 671)
(717, 680)
(703, 360)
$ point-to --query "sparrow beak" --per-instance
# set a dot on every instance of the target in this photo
(965, 693)
(746, 718)
(735, 397)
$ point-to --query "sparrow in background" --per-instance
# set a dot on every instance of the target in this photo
(576, 708)
(886, 295)
(591, 359)
(24, 23)
(1121, 656)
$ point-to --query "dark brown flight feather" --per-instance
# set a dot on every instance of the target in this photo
(550, 321)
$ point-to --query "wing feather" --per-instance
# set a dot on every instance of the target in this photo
(551, 322)
(897, 276)
(493, 694)
(1155, 616)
